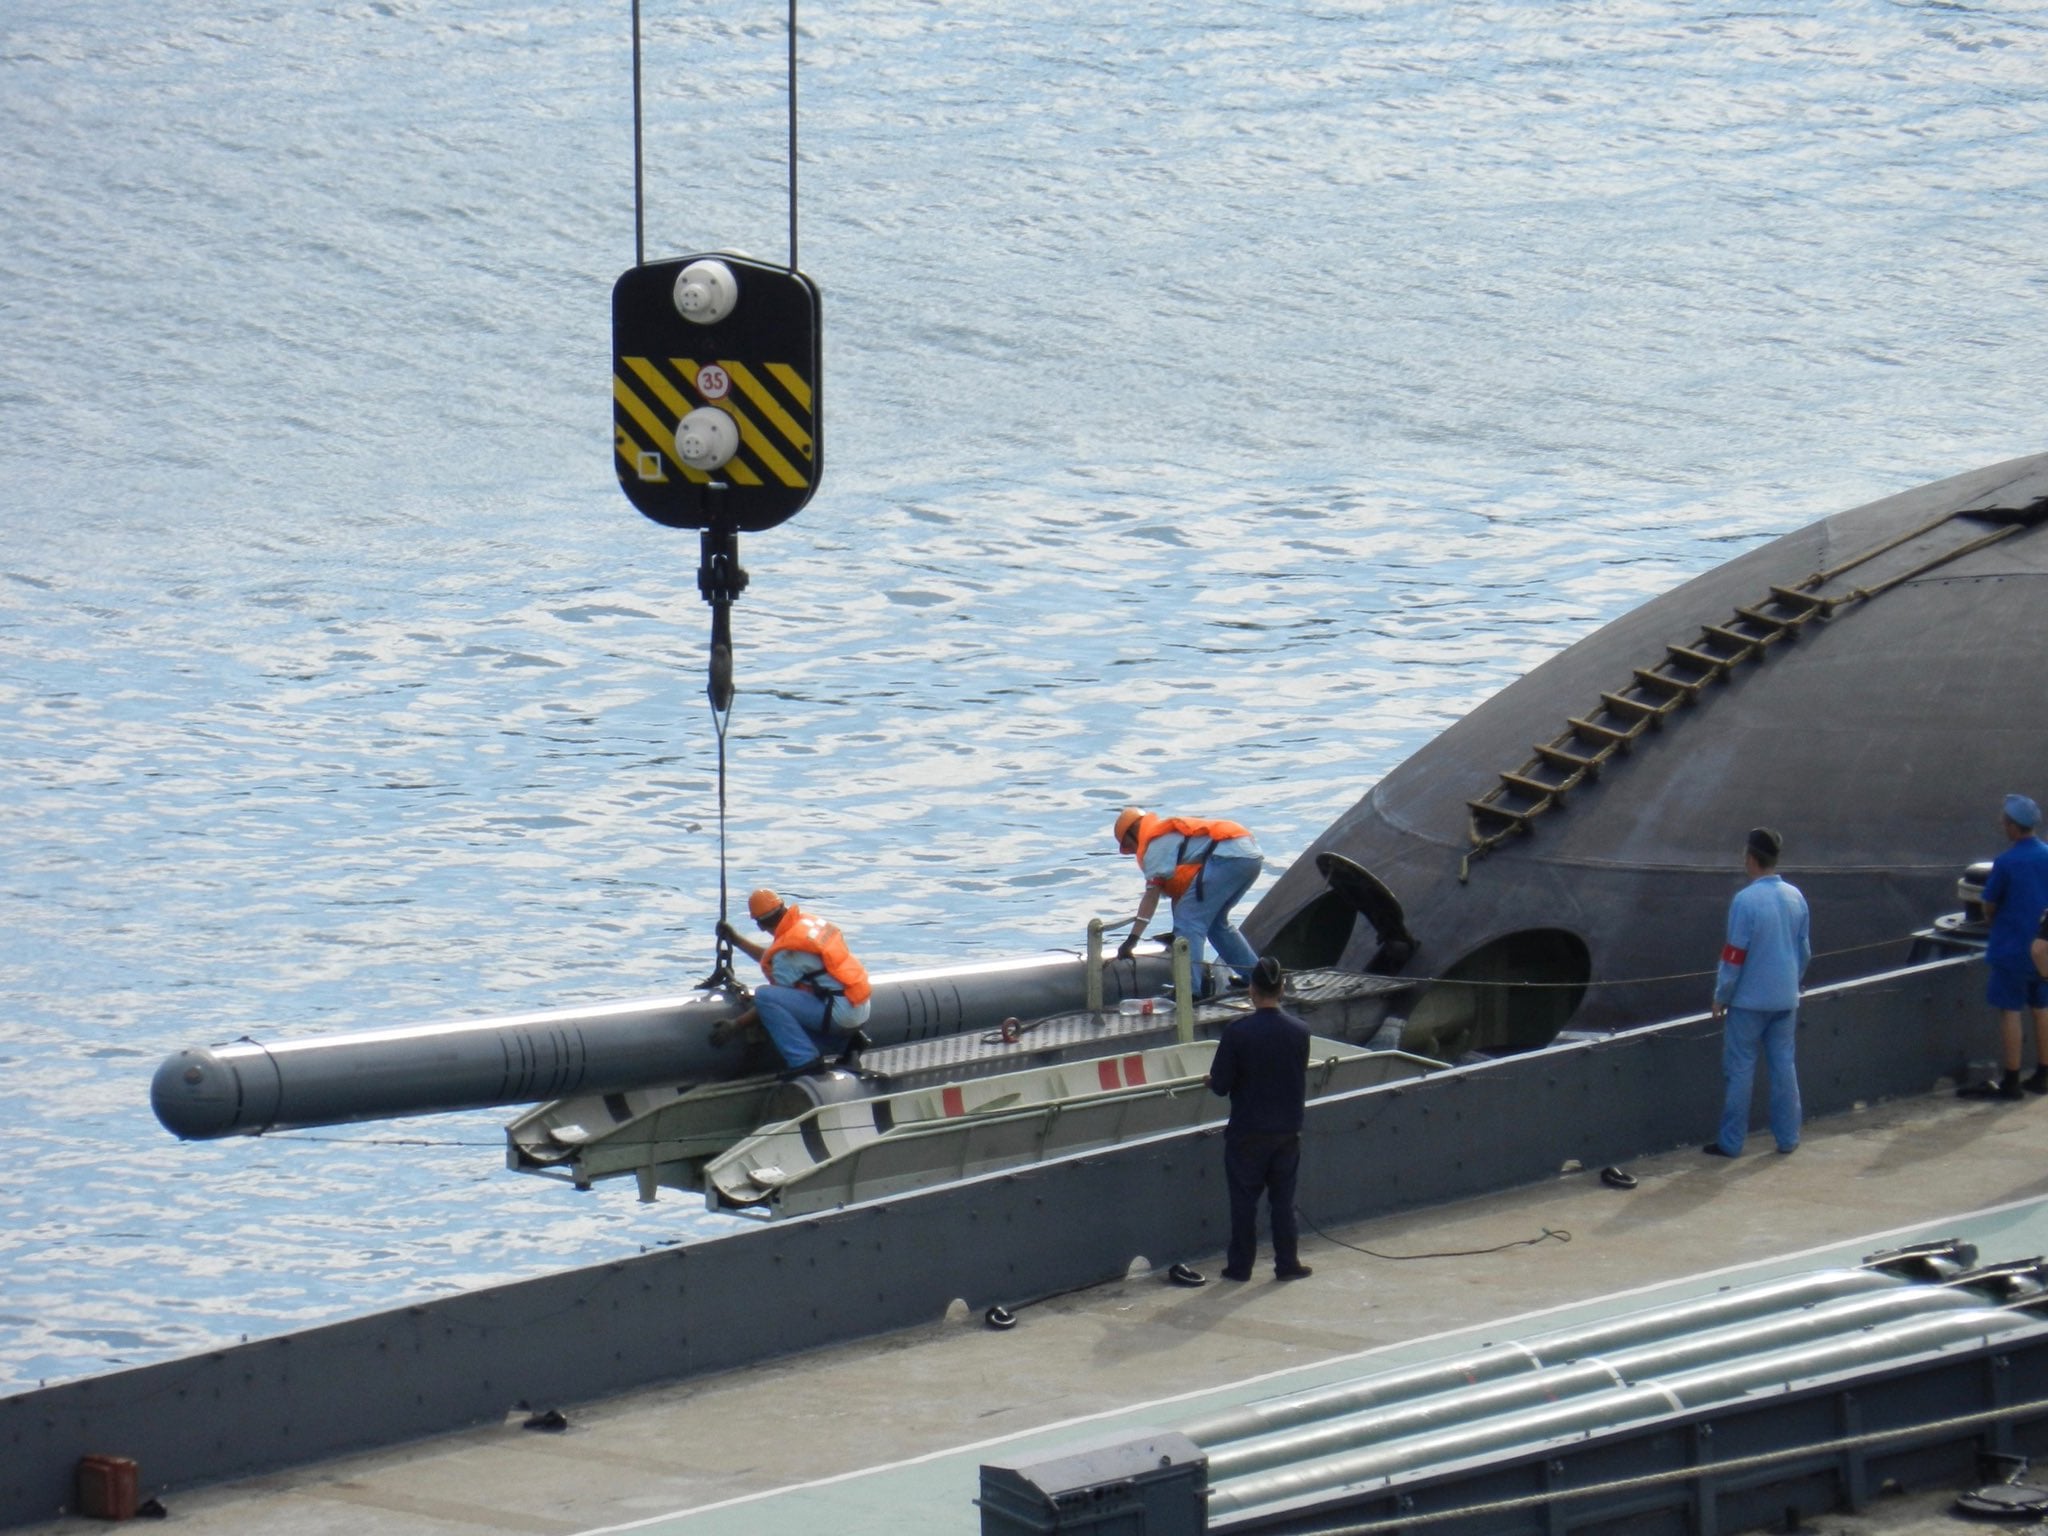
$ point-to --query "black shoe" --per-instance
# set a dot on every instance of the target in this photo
(815, 1067)
(1298, 1272)
(1714, 1149)
(1237, 1274)
(2037, 1081)
(2011, 1087)
(856, 1042)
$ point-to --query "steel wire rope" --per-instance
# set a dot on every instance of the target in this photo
(1628, 981)
(722, 955)
(1612, 981)
(639, 147)
(639, 182)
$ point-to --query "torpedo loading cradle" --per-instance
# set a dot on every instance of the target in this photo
(1563, 856)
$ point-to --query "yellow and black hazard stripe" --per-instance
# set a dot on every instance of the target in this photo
(771, 403)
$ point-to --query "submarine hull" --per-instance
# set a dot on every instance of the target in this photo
(1878, 734)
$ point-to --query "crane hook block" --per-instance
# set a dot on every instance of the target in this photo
(694, 337)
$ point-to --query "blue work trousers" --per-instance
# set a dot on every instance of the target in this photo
(795, 1021)
(1203, 913)
(1254, 1165)
(1745, 1031)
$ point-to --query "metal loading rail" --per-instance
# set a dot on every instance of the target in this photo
(665, 1136)
(836, 1153)
(1574, 757)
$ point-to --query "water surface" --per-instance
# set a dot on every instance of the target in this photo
(1218, 402)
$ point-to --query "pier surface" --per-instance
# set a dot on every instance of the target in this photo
(887, 1436)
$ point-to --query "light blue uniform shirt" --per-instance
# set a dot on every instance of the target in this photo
(1767, 950)
(1167, 852)
(2018, 886)
(794, 967)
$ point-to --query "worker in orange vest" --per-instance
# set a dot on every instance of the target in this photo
(1203, 865)
(817, 993)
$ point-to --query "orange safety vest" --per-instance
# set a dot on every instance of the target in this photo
(815, 936)
(1214, 828)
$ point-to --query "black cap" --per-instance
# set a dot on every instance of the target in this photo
(1765, 844)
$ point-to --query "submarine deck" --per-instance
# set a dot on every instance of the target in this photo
(888, 1435)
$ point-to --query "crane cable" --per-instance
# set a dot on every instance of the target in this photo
(639, 154)
(720, 578)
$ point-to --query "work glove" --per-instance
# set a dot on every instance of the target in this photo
(1129, 947)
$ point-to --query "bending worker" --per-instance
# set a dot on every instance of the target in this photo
(817, 993)
(1203, 866)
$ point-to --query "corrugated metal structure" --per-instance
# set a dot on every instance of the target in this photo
(1667, 1404)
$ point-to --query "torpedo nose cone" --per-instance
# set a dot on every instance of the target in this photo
(194, 1095)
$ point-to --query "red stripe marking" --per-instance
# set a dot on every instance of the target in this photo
(1105, 1072)
(952, 1101)
(1134, 1070)
(1730, 955)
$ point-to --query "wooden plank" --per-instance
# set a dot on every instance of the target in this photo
(1692, 658)
(1622, 704)
(1560, 758)
(1792, 597)
(1746, 645)
(1481, 808)
(1594, 732)
(1671, 684)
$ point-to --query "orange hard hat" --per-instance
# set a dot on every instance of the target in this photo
(1126, 819)
(762, 902)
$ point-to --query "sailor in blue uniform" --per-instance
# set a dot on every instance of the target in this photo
(1756, 996)
(1261, 1066)
(2015, 896)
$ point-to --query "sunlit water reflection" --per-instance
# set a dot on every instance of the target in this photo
(1218, 403)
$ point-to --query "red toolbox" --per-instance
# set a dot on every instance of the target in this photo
(108, 1487)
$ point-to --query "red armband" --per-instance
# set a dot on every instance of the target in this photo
(1730, 955)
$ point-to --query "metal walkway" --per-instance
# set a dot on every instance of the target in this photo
(1084, 1034)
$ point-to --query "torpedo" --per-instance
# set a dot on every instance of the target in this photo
(248, 1087)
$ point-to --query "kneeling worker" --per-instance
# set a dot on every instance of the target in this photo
(817, 993)
(1203, 865)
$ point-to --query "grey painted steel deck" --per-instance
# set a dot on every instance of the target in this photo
(754, 1295)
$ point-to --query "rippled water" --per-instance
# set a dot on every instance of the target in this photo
(1219, 400)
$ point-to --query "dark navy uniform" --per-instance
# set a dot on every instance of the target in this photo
(1261, 1066)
